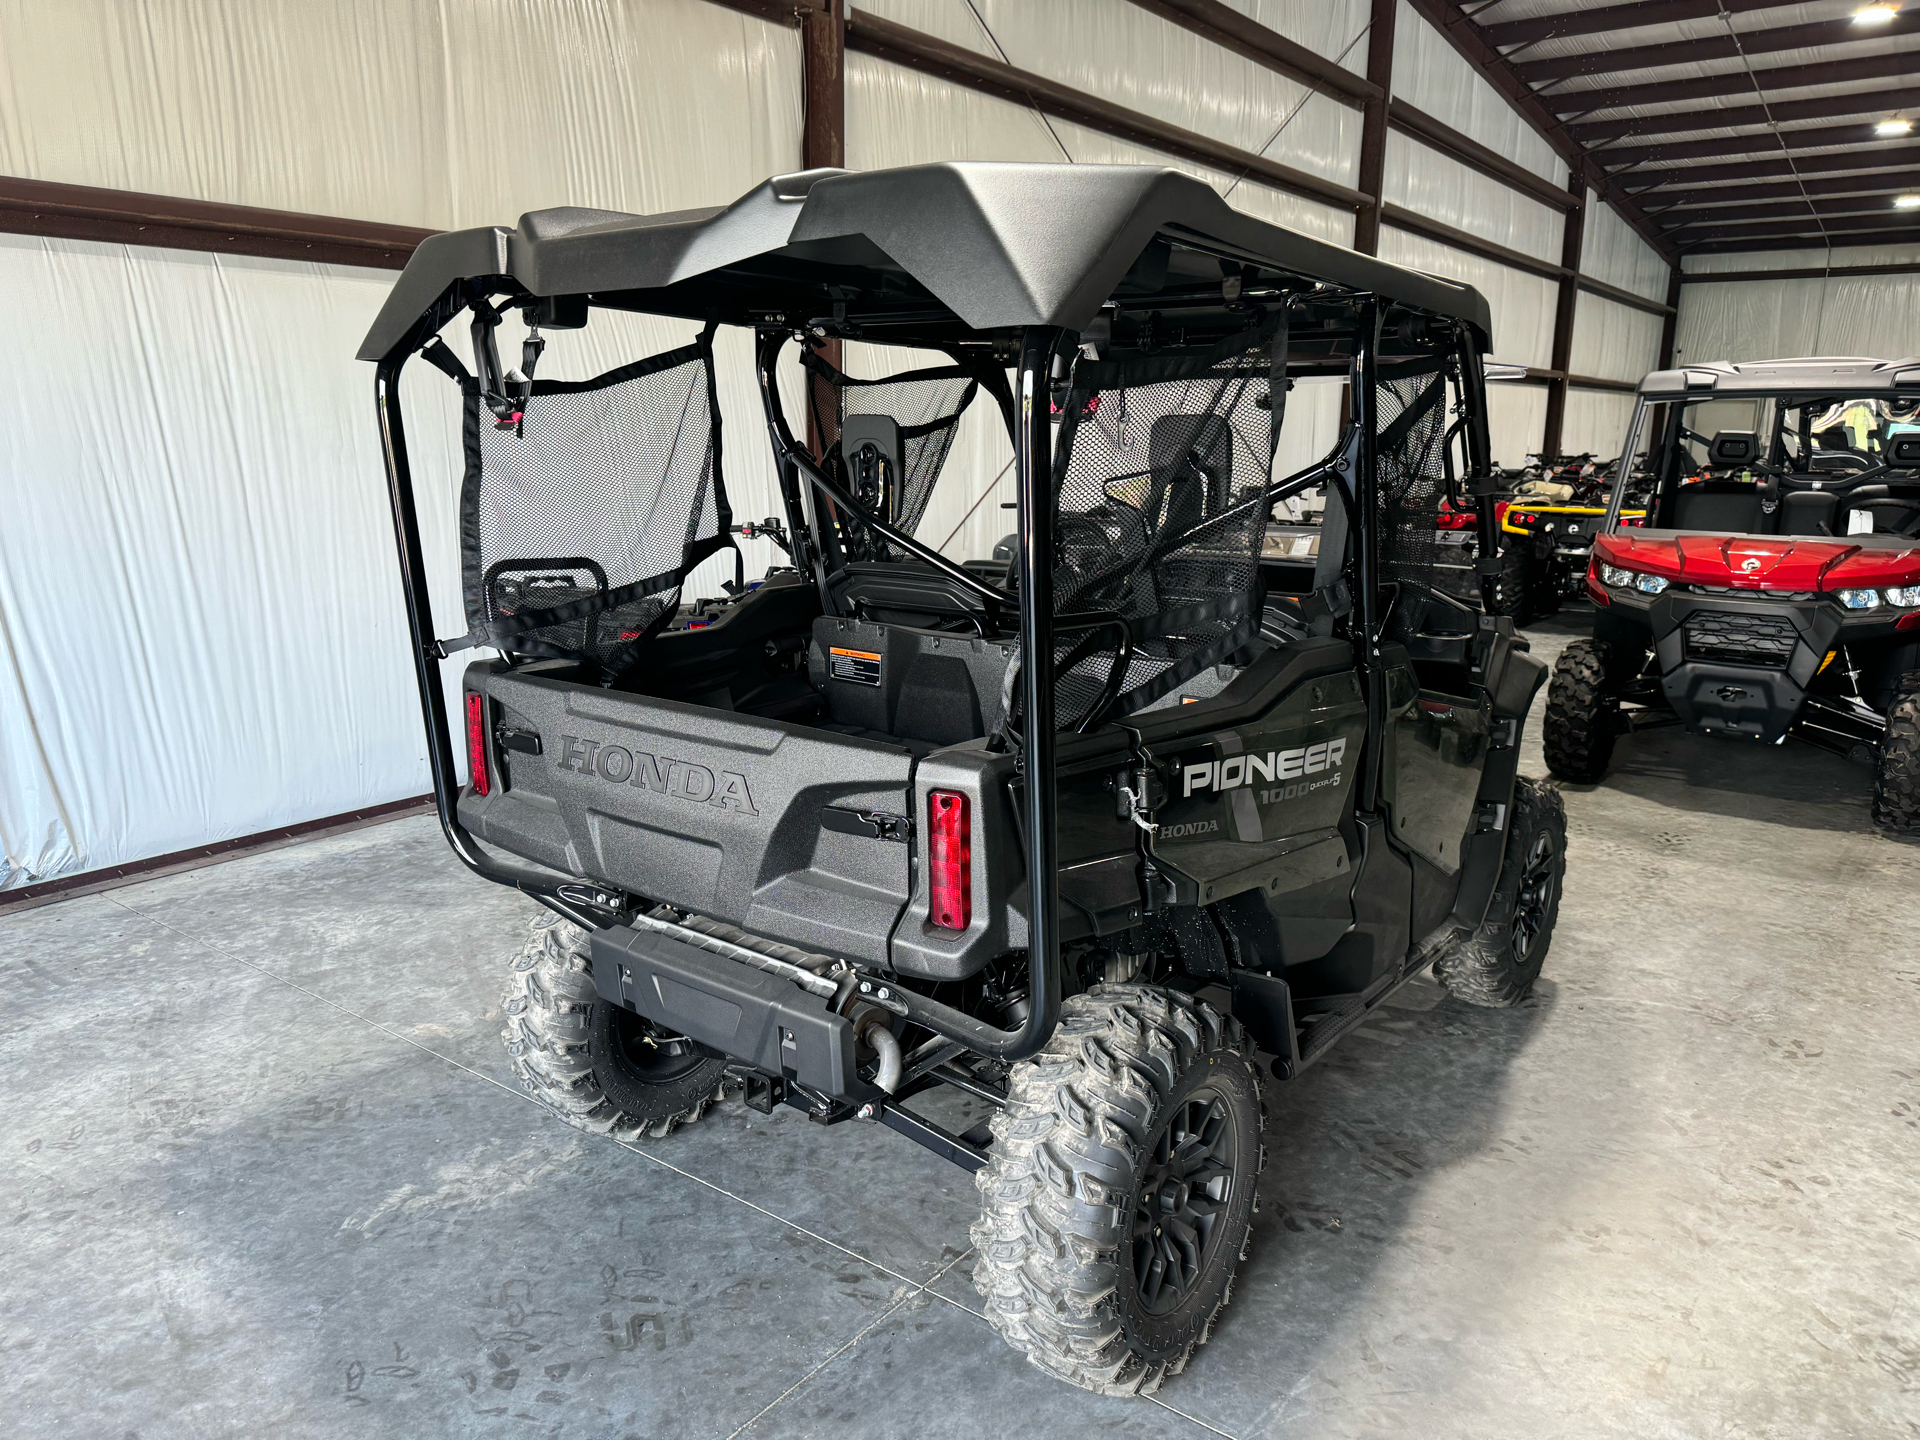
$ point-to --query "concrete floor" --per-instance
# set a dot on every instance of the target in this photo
(267, 1175)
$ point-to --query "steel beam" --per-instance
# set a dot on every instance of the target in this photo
(1374, 122)
(1893, 156)
(1815, 226)
(1566, 301)
(1632, 299)
(1674, 317)
(1415, 223)
(1467, 40)
(125, 217)
(1736, 82)
(1788, 141)
(1806, 273)
(1891, 182)
(1675, 122)
(1603, 60)
(823, 44)
(1677, 219)
(1803, 242)
(885, 40)
(1602, 18)
(1231, 30)
(1445, 138)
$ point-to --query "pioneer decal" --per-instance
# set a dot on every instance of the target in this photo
(683, 780)
(1232, 772)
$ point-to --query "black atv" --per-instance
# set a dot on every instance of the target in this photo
(1546, 518)
(1548, 528)
(1757, 572)
(1099, 833)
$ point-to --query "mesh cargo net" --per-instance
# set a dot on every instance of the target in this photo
(926, 405)
(577, 529)
(1161, 469)
(1410, 480)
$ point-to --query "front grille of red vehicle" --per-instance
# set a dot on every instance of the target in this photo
(1737, 590)
(1737, 639)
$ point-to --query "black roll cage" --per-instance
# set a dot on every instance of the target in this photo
(1348, 470)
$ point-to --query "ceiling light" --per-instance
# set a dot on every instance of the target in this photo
(1876, 14)
(1907, 202)
(1893, 127)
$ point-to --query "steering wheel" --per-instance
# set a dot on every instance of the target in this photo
(1094, 549)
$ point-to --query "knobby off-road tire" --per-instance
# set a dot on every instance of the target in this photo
(1542, 590)
(1510, 585)
(602, 1068)
(1896, 786)
(1118, 1200)
(1583, 715)
(1499, 962)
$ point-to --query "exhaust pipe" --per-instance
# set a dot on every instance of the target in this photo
(872, 1028)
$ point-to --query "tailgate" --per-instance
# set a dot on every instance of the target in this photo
(713, 812)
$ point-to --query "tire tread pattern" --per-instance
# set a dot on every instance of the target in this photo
(1480, 967)
(548, 1002)
(1054, 1234)
(1897, 788)
(1583, 718)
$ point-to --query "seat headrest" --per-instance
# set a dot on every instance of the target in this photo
(1734, 447)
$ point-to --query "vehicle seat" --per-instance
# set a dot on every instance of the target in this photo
(920, 688)
(1807, 512)
(1723, 507)
(909, 592)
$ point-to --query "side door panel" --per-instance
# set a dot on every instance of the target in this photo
(1436, 748)
(1257, 805)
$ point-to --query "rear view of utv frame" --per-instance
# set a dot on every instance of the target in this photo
(749, 1015)
(596, 908)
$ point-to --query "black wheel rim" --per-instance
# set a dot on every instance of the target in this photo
(1182, 1197)
(649, 1053)
(1537, 890)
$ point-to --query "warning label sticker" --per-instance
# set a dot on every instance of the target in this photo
(860, 666)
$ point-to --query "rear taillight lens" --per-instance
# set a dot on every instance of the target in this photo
(477, 743)
(950, 861)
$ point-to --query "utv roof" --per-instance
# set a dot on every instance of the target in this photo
(1853, 375)
(982, 246)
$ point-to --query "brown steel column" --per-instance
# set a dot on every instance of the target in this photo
(1564, 313)
(823, 141)
(1673, 317)
(1380, 71)
(823, 41)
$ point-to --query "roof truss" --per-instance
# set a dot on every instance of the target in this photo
(1660, 170)
(1600, 60)
(1766, 79)
(1876, 103)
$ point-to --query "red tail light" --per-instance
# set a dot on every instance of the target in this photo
(477, 743)
(950, 861)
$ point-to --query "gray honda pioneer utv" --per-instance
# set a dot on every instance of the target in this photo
(1099, 834)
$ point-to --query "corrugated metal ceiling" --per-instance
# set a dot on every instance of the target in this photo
(1685, 166)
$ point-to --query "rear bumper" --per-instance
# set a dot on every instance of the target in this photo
(750, 1016)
